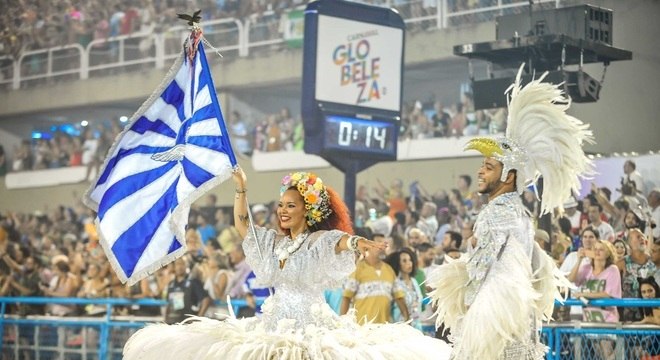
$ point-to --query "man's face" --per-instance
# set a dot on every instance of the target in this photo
(446, 241)
(236, 256)
(637, 241)
(489, 176)
(594, 214)
(376, 253)
(655, 253)
(627, 168)
(180, 267)
(654, 199)
(427, 257)
(29, 264)
(454, 254)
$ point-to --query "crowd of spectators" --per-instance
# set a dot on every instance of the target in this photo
(60, 149)
(35, 24)
(56, 252)
(279, 131)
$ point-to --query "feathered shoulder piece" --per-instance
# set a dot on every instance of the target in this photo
(541, 140)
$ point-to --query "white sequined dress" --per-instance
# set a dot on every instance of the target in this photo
(296, 324)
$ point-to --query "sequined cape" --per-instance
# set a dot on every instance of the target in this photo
(296, 324)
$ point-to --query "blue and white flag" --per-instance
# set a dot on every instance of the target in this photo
(174, 149)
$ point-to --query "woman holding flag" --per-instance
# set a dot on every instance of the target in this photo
(314, 249)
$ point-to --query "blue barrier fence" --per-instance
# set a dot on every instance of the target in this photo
(102, 337)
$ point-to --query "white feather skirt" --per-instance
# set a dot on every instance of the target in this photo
(203, 338)
(502, 316)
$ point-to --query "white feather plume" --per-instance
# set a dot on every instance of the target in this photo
(551, 139)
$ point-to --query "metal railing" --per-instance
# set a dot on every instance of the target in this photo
(231, 37)
(99, 337)
(103, 337)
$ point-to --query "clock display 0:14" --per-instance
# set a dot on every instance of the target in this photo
(358, 134)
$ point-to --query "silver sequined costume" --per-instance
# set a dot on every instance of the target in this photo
(491, 298)
(297, 323)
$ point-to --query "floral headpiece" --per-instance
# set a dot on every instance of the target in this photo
(314, 194)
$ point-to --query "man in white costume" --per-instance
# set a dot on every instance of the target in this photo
(496, 296)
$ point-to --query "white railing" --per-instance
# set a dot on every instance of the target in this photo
(228, 36)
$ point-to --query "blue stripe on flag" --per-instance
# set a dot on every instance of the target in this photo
(210, 142)
(203, 113)
(130, 185)
(173, 95)
(130, 246)
(195, 174)
(142, 125)
(174, 246)
(208, 80)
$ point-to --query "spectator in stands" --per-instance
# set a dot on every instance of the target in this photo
(598, 279)
(571, 213)
(440, 120)
(185, 295)
(443, 225)
(458, 121)
(380, 222)
(239, 133)
(416, 236)
(604, 229)
(26, 283)
(649, 289)
(371, 289)
(235, 288)
(273, 134)
(397, 242)
(217, 275)
(542, 238)
(428, 222)
(632, 176)
(646, 347)
(260, 214)
(3, 161)
(622, 249)
(452, 240)
(147, 288)
(62, 285)
(206, 229)
(22, 157)
(194, 246)
(404, 264)
(636, 265)
(588, 236)
(463, 184)
(94, 286)
(654, 204)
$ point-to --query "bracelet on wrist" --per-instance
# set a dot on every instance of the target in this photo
(352, 242)
(241, 191)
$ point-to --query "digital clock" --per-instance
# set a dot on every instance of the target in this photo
(373, 138)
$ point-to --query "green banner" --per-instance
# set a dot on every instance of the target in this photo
(294, 28)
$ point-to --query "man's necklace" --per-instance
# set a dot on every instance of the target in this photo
(288, 247)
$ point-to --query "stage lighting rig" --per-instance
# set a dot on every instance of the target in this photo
(546, 40)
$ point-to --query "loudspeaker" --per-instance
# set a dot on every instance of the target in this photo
(586, 22)
(581, 88)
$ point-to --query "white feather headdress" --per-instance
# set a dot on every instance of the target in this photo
(541, 140)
